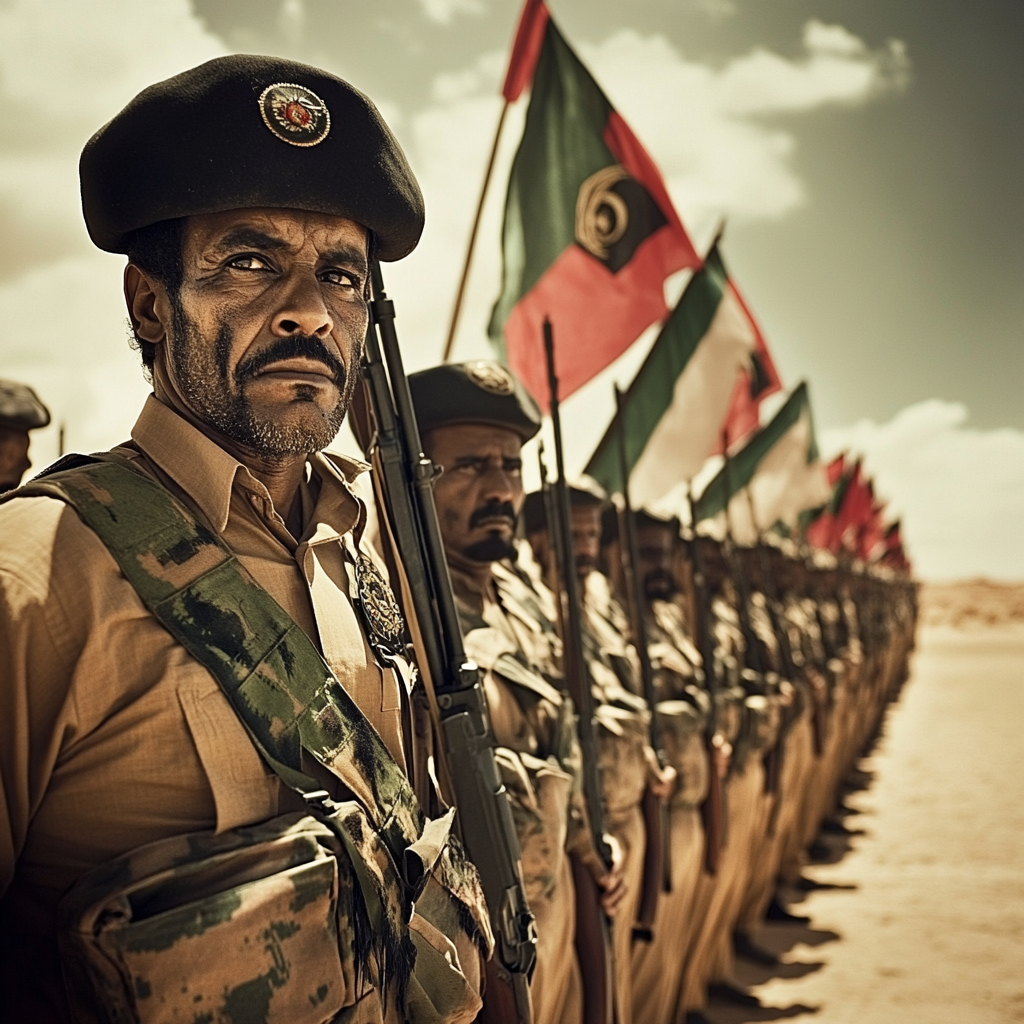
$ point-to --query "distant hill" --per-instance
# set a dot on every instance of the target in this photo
(969, 603)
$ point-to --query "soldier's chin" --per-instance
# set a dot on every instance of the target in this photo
(493, 548)
(658, 587)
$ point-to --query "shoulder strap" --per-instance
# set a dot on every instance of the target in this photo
(276, 680)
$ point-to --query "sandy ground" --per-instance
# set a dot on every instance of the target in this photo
(931, 928)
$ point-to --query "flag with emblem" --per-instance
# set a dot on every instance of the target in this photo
(774, 477)
(673, 412)
(590, 234)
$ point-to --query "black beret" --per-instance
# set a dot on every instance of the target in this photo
(20, 407)
(476, 392)
(244, 131)
(585, 492)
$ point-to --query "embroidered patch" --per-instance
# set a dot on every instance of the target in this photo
(295, 114)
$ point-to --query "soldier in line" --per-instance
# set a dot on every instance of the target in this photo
(20, 412)
(475, 418)
(249, 195)
(628, 766)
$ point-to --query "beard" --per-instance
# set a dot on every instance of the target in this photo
(494, 547)
(203, 374)
(660, 585)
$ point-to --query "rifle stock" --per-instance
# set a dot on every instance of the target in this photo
(593, 939)
(484, 814)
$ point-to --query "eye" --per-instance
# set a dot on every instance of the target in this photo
(342, 278)
(248, 261)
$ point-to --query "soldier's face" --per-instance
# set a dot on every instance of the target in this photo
(14, 461)
(586, 538)
(656, 551)
(264, 336)
(480, 490)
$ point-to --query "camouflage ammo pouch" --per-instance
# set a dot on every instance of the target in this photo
(304, 919)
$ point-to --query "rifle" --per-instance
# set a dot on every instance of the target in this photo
(593, 939)
(658, 851)
(406, 478)
(713, 808)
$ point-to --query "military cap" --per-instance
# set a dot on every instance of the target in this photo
(585, 492)
(246, 131)
(20, 407)
(480, 391)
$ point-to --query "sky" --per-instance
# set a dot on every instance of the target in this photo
(867, 157)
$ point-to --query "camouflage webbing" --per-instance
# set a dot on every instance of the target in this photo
(276, 680)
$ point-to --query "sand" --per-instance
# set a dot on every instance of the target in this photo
(932, 929)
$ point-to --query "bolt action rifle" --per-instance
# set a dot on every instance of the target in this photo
(593, 938)
(484, 815)
(713, 808)
(658, 851)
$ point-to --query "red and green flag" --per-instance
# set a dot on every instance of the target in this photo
(771, 479)
(672, 413)
(590, 234)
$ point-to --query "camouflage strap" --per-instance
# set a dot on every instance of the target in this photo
(276, 680)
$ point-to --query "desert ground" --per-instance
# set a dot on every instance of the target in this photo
(926, 925)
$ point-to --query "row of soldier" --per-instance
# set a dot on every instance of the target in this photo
(223, 798)
(771, 672)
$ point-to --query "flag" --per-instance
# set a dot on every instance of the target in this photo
(590, 234)
(774, 477)
(854, 510)
(819, 524)
(757, 380)
(672, 413)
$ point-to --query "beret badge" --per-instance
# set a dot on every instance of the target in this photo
(492, 377)
(295, 114)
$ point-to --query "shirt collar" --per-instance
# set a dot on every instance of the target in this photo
(208, 474)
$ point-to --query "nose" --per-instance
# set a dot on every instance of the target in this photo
(498, 485)
(302, 309)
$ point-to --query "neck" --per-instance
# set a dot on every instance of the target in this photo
(281, 475)
(474, 576)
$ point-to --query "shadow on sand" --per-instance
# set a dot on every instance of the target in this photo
(833, 843)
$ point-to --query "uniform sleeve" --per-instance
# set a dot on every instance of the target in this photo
(35, 676)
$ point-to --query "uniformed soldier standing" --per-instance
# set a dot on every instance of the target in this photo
(20, 412)
(250, 195)
(474, 419)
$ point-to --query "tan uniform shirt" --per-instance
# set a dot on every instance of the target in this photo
(111, 735)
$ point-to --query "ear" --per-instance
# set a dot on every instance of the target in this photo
(148, 306)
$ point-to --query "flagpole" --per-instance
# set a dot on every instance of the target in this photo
(457, 309)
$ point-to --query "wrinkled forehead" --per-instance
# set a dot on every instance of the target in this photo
(273, 229)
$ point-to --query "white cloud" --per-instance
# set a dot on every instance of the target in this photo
(959, 490)
(442, 11)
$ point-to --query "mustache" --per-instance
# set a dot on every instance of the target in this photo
(493, 510)
(660, 580)
(292, 347)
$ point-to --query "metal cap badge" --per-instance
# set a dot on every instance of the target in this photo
(295, 114)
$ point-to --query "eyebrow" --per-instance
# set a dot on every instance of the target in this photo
(253, 238)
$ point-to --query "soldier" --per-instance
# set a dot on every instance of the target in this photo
(475, 418)
(250, 195)
(628, 765)
(683, 716)
(20, 412)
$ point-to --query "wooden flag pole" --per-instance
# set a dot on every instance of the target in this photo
(457, 309)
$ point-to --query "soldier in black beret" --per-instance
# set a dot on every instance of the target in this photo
(20, 411)
(475, 418)
(251, 196)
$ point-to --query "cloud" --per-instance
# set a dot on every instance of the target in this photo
(959, 490)
(442, 11)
